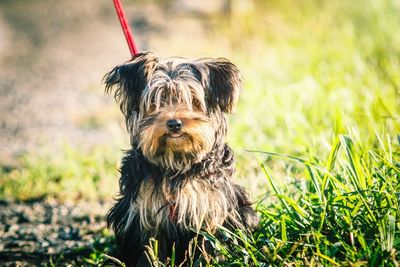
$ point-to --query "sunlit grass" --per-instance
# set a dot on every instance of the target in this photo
(312, 68)
(344, 211)
(68, 174)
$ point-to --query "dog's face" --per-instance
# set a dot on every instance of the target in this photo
(174, 107)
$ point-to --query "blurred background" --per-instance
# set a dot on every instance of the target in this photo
(312, 69)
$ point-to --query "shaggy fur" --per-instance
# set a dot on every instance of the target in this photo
(176, 179)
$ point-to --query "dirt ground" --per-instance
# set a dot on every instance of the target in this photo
(53, 57)
(37, 232)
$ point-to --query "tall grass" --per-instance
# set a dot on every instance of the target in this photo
(345, 211)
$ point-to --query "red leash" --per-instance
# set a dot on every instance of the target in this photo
(125, 27)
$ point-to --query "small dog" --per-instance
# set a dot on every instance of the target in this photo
(176, 179)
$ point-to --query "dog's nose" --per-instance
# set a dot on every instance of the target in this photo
(174, 125)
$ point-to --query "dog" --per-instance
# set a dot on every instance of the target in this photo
(176, 179)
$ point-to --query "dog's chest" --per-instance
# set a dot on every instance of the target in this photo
(196, 204)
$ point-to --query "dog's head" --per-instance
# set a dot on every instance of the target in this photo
(174, 108)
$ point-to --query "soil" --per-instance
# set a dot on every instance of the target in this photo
(37, 232)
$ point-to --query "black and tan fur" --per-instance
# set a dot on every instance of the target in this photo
(175, 182)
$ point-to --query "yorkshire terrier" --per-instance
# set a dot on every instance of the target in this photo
(176, 179)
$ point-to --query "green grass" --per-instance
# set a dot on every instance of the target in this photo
(312, 69)
(322, 96)
(345, 211)
(67, 174)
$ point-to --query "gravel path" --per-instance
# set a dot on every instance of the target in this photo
(32, 233)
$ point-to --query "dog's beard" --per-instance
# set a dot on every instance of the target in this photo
(176, 151)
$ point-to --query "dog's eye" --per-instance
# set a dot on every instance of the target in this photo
(149, 119)
(197, 105)
(197, 118)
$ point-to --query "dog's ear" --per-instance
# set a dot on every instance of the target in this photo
(128, 81)
(223, 83)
